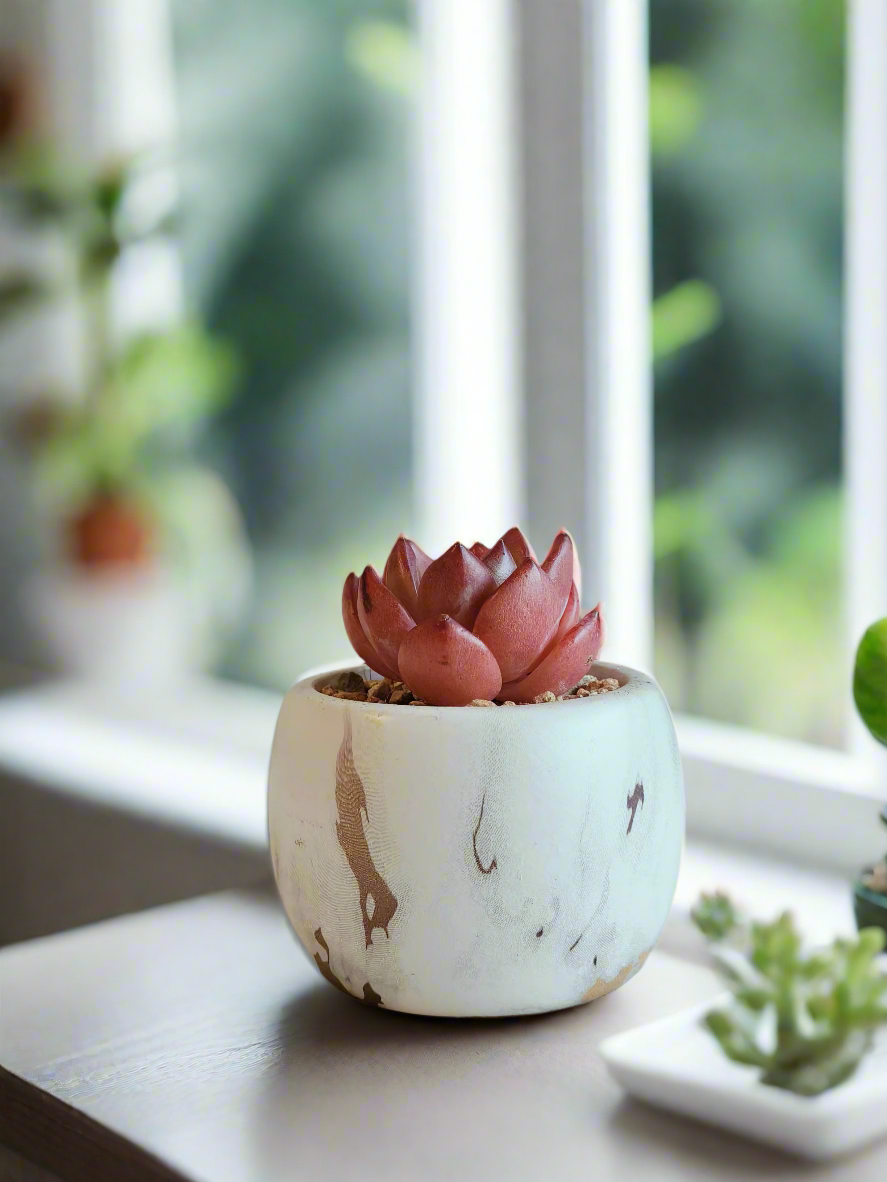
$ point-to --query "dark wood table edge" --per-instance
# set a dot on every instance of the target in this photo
(53, 1135)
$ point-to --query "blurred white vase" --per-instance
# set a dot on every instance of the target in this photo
(159, 619)
(116, 624)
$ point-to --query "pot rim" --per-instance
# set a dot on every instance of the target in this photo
(627, 677)
(876, 897)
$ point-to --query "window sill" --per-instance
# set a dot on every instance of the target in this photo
(195, 759)
(763, 886)
(793, 801)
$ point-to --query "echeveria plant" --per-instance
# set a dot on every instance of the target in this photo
(804, 1019)
(477, 623)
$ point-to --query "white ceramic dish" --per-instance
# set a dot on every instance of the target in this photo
(676, 1064)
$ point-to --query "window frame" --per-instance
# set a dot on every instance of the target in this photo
(865, 333)
(582, 253)
(467, 413)
(532, 327)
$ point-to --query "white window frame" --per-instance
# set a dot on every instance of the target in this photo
(532, 322)
(575, 75)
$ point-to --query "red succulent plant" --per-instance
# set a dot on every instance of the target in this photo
(476, 623)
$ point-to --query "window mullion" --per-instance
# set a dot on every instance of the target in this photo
(865, 384)
(619, 423)
(112, 95)
(467, 450)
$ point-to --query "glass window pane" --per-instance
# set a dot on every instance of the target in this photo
(295, 124)
(746, 130)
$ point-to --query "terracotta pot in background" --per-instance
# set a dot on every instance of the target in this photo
(19, 104)
(110, 531)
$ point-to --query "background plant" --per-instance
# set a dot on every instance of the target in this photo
(303, 177)
(139, 400)
(295, 122)
(870, 695)
(125, 425)
(803, 1019)
(746, 123)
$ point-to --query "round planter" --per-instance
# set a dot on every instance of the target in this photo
(477, 862)
(869, 907)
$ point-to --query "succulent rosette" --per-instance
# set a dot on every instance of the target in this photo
(476, 623)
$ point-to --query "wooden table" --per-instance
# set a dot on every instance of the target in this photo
(195, 1042)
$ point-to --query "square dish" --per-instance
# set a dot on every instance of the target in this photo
(674, 1063)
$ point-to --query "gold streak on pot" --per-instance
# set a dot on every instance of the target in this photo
(369, 994)
(600, 987)
(351, 802)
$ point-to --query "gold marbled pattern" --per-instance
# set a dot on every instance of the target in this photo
(602, 987)
(351, 804)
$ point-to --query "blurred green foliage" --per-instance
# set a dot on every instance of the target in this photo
(870, 695)
(870, 680)
(804, 1020)
(715, 915)
(153, 395)
(683, 315)
(385, 53)
(296, 127)
(142, 398)
(676, 107)
(746, 127)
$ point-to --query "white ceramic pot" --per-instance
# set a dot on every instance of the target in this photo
(477, 862)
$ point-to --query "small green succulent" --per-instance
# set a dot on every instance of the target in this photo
(804, 1019)
(715, 915)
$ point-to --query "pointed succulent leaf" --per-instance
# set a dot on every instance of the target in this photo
(499, 563)
(446, 665)
(359, 640)
(577, 569)
(558, 564)
(456, 584)
(517, 545)
(406, 565)
(569, 620)
(565, 665)
(519, 619)
(383, 618)
(479, 550)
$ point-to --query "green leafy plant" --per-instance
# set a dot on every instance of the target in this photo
(804, 1019)
(870, 680)
(870, 695)
(141, 398)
